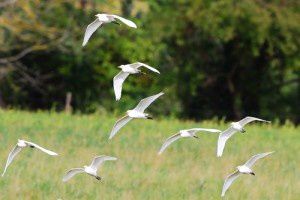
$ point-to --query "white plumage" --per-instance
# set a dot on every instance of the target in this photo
(242, 169)
(137, 112)
(20, 145)
(100, 21)
(185, 133)
(90, 170)
(235, 127)
(126, 70)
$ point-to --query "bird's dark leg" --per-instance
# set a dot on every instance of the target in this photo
(116, 22)
(243, 130)
(195, 136)
(98, 178)
(31, 146)
(252, 173)
(149, 117)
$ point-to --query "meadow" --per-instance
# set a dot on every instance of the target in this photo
(188, 169)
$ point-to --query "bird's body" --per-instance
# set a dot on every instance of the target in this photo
(185, 134)
(102, 19)
(105, 18)
(237, 127)
(242, 169)
(21, 144)
(126, 70)
(90, 170)
(234, 127)
(136, 113)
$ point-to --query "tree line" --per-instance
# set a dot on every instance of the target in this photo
(221, 58)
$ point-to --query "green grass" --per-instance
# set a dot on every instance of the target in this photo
(188, 169)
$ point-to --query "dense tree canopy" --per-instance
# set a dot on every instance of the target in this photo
(222, 58)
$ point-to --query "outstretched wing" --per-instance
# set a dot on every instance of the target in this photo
(169, 141)
(90, 29)
(99, 160)
(255, 158)
(118, 82)
(247, 120)
(51, 153)
(144, 103)
(125, 21)
(139, 64)
(72, 173)
(119, 124)
(11, 156)
(195, 130)
(223, 137)
(228, 181)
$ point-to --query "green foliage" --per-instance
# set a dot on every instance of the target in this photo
(217, 58)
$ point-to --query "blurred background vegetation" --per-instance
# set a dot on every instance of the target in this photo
(223, 58)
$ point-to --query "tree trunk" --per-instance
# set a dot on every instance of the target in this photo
(2, 104)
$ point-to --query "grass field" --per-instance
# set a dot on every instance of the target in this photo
(188, 169)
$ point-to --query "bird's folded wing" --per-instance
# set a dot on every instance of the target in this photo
(51, 153)
(194, 130)
(144, 103)
(228, 181)
(125, 21)
(247, 120)
(90, 29)
(99, 160)
(169, 141)
(11, 156)
(118, 82)
(255, 158)
(139, 64)
(118, 125)
(72, 173)
(223, 137)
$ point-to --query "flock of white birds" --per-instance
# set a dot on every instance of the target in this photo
(138, 113)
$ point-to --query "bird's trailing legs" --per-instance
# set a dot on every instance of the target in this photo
(149, 117)
(243, 130)
(195, 136)
(252, 173)
(98, 178)
(116, 22)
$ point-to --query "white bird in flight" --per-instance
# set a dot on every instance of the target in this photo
(126, 70)
(100, 21)
(243, 169)
(185, 133)
(90, 170)
(137, 112)
(235, 127)
(20, 145)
